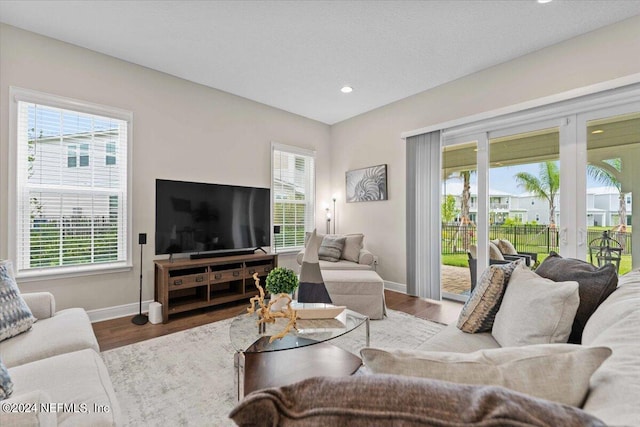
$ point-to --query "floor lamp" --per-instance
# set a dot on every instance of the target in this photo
(334, 215)
(141, 319)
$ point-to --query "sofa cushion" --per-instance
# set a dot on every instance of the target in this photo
(615, 386)
(621, 303)
(453, 339)
(15, 316)
(557, 372)
(69, 330)
(596, 284)
(389, 400)
(480, 310)
(352, 246)
(6, 386)
(79, 379)
(38, 418)
(535, 310)
(331, 248)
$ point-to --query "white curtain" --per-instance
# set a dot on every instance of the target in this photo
(423, 215)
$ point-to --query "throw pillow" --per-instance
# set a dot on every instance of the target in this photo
(331, 248)
(507, 248)
(352, 246)
(6, 386)
(595, 285)
(556, 372)
(393, 400)
(535, 310)
(15, 316)
(480, 310)
(494, 252)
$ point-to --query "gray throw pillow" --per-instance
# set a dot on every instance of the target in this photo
(595, 285)
(15, 316)
(480, 310)
(6, 386)
(395, 400)
(331, 248)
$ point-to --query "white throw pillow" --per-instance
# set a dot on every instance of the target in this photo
(556, 372)
(535, 310)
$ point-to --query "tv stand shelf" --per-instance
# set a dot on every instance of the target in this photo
(188, 284)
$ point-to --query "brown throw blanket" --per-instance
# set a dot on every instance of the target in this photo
(389, 400)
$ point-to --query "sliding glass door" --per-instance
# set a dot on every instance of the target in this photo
(612, 171)
(551, 179)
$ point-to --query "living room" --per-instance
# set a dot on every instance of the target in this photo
(191, 132)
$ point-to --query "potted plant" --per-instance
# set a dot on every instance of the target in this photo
(281, 280)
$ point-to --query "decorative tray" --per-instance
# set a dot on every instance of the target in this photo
(317, 310)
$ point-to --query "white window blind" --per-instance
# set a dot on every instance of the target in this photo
(71, 189)
(293, 190)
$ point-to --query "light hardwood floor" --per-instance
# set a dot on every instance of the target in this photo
(119, 332)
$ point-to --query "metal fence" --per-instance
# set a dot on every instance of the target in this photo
(525, 238)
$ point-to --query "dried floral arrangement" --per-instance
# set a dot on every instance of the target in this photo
(265, 315)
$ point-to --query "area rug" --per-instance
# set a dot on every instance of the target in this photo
(186, 378)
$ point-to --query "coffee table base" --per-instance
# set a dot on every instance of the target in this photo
(256, 371)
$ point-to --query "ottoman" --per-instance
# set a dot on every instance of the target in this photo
(360, 290)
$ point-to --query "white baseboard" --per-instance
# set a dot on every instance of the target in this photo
(107, 313)
(393, 286)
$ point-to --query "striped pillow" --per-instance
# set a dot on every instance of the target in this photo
(15, 316)
(331, 248)
(480, 310)
(6, 385)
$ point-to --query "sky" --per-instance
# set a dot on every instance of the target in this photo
(503, 178)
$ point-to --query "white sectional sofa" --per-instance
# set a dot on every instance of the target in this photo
(614, 392)
(59, 378)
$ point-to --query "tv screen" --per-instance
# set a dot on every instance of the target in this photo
(198, 217)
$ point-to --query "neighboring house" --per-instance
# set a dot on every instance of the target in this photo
(602, 206)
(85, 158)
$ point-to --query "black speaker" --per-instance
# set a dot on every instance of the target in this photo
(141, 319)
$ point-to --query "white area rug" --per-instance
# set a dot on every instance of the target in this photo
(186, 378)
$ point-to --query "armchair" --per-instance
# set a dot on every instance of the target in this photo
(496, 256)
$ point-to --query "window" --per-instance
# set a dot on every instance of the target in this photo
(73, 157)
(71, 212)
(293, 192)
(110, 158)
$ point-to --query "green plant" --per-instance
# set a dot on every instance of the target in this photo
(281, 280)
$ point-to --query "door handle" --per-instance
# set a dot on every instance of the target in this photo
(581, 236)
(563, 236)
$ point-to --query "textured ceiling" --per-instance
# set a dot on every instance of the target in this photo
(296, 55)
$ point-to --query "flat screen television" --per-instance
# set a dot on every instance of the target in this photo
(193, 217)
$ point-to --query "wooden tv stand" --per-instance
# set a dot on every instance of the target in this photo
(186, 284)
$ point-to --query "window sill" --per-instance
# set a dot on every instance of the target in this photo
(68, 272)
(288, 251)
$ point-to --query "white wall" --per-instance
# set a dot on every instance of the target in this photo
(181, 131)
(374, 138)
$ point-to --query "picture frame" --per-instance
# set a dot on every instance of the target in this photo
(366, 184)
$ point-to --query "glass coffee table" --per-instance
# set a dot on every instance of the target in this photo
(301, 354)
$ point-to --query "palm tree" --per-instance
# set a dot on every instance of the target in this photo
(546, 186)
(465, 220)
(606, 176)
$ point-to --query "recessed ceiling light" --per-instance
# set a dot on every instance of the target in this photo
(544, 1)
(346, 89)
(597, 131)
